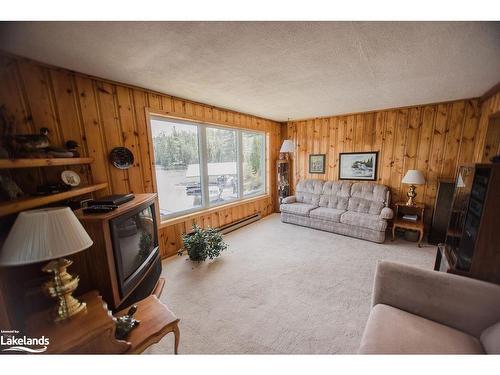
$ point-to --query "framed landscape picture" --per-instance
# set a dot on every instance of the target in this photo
(317, 163)
(358, 166)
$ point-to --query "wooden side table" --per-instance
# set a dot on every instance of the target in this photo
(418, 225)
(156, 320)
(89, 332)
(93, 331)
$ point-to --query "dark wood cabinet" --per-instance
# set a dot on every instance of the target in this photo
(441, 212)
(472, 245)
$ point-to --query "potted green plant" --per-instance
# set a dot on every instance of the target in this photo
(201, 244)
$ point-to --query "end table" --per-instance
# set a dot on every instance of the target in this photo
(416, 225)
(90, 332)
(93, 330)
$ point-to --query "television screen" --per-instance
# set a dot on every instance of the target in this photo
(134, 243)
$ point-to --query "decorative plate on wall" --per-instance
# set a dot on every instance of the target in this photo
(70, 178)
(121, 157)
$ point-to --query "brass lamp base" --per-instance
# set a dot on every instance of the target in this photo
(411, 196)
(61, 287)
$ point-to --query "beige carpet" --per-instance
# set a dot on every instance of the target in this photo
(279, 288)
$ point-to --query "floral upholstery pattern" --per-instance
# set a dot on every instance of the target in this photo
(357, 209)
(324, 213)
(309, 191)
(301, 209)
(373, 222)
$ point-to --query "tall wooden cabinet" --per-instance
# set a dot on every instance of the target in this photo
(472, 245)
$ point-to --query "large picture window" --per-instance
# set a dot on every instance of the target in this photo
(199, 166)
(177, 164)
(222, 165)
(254, 159)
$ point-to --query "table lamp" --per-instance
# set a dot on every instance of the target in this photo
(413, 177)
(49, 234)
(286, 147)
(460, 181)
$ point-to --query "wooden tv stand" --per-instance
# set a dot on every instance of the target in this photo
(96, 266)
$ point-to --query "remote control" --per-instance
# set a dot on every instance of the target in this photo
(99, 209)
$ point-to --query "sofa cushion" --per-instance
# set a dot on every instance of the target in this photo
(393, 331)
(301, 209)
(324, 213)
(341, 188)
(335, 194)
(490, 338)
(357, 219)
(333, 201)
(308, 191)
(368, 198)
(365, 206)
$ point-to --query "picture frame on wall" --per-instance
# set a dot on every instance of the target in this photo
(358, 166)
(317, 163)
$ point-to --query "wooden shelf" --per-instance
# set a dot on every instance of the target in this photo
(11, 207)
(50, 162)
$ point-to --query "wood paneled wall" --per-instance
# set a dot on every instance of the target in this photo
(434, 138)
(488, 137)
(101, 115)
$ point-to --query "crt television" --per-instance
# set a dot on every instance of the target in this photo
(135, 245)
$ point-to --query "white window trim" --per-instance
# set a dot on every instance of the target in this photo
(203, 161)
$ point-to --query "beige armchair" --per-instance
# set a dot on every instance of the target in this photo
(417, 311)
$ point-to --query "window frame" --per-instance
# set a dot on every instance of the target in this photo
(203, 160)
(205, 152)
(263, 160)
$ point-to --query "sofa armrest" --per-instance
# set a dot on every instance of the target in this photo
(290, 199)
(466, 304)
(386, 213)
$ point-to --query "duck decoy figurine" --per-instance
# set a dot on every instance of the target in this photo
(126, 323)
(32, 142)
(70, 150)
(28, 145)
(72, 146)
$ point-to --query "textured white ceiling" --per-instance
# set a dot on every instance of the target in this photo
(277, 70)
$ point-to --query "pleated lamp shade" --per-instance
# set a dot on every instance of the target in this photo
(287, 146)
(43, 235)
(413, 177)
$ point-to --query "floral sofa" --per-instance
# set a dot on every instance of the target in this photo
(359, 209)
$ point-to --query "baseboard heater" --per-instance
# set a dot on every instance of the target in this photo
(225, 229)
